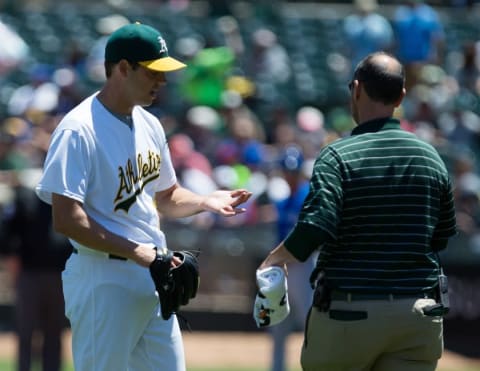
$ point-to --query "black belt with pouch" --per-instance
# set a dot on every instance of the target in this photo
(323, 295)
(322, 298)
(322, 292)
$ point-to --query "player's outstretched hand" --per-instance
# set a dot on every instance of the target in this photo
(226, 202)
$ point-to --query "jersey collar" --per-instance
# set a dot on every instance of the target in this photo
(372, 126)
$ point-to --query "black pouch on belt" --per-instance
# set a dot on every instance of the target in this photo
(321, 293)
(443, 306)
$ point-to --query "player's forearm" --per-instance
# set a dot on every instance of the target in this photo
(71, 220)
(179, 202)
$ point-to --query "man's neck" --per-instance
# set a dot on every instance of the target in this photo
(113, 100)
(374, 113)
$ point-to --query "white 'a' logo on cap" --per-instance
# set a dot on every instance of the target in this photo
(163, 45)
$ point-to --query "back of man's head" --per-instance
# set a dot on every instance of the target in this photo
(382, 76)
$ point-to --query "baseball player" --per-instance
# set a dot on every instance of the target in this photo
(107, 174)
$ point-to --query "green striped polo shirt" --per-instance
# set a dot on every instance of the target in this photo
(380, 204)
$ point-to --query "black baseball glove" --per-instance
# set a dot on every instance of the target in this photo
(175, 285)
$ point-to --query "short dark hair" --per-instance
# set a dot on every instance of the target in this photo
(381, 84)
(109, 66)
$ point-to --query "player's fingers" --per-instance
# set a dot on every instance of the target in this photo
(176, 261)
(239, 210)
(241, 195)
(232, 211)
(242, 198)
(238, 192)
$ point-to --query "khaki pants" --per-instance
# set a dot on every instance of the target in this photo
(395, 336)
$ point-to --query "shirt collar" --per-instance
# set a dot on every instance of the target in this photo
(375, 125)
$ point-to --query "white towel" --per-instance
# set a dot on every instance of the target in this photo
(271, 303)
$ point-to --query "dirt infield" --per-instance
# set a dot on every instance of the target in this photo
(233, 349)
(245, 349)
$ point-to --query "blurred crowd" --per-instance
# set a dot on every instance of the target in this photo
(231, 118)
(228, 120)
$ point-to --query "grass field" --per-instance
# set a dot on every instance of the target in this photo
(9, 366)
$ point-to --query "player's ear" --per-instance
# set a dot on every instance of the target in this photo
(124, 67)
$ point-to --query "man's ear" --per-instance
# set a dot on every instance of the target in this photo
(123, 66)
(356, 88)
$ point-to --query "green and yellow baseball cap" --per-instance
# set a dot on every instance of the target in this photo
(143, 44)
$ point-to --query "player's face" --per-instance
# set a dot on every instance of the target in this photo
(147, 84)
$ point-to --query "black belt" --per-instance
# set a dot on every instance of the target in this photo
(353, 296)
(110, 256)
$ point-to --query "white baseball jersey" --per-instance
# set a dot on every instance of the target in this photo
(114, 170)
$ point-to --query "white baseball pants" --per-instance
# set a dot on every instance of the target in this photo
(115, 317)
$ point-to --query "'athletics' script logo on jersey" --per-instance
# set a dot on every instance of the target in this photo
(132, 181)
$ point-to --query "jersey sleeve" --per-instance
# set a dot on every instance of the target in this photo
(323, 205)
(66, 167)
(321, 211)
(447, 226)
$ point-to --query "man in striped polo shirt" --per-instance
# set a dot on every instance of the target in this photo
(379, 209)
